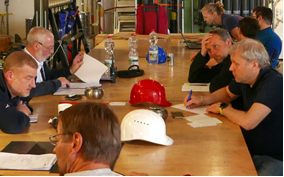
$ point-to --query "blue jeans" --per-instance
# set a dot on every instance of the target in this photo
(267, 166)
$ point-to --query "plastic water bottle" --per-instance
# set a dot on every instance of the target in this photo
(153, 50)
(133, 54)
(109, 47)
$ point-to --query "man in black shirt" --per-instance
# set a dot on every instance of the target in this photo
(262, 91)
(216, 44)
(16, 80)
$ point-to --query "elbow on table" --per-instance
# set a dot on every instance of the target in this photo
(15, 129)
(248, 125)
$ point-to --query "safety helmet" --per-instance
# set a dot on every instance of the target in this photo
(148, 90)
(142, 124)
(162, 57)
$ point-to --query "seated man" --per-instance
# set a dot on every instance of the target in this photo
(40, 45)
(217, 44)
(248, 28)
(266, 35)
(262, 91)
(87, 141)
(16, 80)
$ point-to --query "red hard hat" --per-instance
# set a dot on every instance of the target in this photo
(148, 90)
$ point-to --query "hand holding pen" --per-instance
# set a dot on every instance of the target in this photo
(191, 101)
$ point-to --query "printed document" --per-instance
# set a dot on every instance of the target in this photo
(26, 161)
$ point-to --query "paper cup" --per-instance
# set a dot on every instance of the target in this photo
(63, 106)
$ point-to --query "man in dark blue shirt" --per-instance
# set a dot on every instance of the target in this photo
(266, 35)
(262, 91)
(16, 80)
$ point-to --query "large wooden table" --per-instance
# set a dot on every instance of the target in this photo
(217, 150)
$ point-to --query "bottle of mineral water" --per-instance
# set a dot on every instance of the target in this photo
(153, 50)
(109, 47)
(133, 54)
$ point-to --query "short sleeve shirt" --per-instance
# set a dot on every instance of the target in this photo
(267, 137)
(230, 22)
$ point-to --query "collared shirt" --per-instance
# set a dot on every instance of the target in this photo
(39, 77)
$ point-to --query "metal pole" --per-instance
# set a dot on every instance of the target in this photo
(191, 16)
(7, 16)
(273, 17)
(178, 13)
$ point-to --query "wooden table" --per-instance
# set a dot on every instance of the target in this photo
(217, 150)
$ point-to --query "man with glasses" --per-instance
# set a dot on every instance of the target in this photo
(40, 46)
(266, 35)
(16, 80)
(87, 141)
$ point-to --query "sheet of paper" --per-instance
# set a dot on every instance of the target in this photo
(26, 161)
(117, 103)
(69, 91)
(198, 110)
(33, 117)
(195, 87)
(91, 70)
(203, 119)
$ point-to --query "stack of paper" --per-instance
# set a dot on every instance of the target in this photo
(202, 121)
(26, 161)
(33, 117)
(195, 87)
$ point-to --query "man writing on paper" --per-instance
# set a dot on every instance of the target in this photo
(40, 45)
(87, 141)
(262, 91)
(16, 80)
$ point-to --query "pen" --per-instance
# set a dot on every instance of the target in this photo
(23, 103)
(189, 97)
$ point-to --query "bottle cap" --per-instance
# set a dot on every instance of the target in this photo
(108, 36)
(153, 29)
(132, 34)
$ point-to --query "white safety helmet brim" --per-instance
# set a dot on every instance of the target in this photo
(144, 125)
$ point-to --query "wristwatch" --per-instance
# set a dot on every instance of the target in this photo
(223, 106)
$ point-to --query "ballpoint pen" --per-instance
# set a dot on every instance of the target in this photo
(189, 97)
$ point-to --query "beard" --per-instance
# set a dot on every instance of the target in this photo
(39, 56)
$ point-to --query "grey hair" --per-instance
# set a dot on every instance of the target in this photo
(222, 33)
(250, 50)
(37, 33)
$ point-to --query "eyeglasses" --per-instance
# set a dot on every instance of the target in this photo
(48, 48)
(54, 138)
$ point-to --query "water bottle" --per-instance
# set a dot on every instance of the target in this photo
(133, 54)
(153, 50)
(109, 47)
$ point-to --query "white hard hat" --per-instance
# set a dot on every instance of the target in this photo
(142, 124)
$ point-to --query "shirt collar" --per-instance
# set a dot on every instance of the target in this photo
(40, 64)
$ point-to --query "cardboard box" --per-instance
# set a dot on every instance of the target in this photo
(5, 42)
(164, 41)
